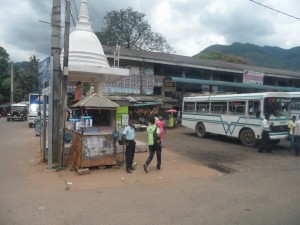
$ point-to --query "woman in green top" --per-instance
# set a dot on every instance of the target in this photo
(154, 144)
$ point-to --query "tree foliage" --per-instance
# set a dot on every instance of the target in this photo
(4, 74)
(217, 55)
(33, 73)
(267, 56)
(130, 29)
(25, 78)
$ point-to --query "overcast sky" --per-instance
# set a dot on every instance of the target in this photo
(188, 25)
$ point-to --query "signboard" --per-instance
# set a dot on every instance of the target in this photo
(45, 69)
(252, 77)
(125, 119)
(132, 83)
(46, 91)
(205, 88)
(158, 81)
(120, 118)
(37, 99)
(170, 86)
(215, 89)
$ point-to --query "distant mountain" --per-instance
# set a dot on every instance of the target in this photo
(271, 57)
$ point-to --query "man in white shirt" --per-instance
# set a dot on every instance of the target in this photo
(266, 125)
(128, 137)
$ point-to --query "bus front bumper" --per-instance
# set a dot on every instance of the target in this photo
(275, 136)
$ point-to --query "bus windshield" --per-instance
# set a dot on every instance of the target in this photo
(276, 106)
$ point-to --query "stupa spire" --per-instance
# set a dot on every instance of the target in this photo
(83, 22)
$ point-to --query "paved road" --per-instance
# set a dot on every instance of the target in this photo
(247, 188)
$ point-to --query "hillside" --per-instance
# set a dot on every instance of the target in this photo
(271, 57)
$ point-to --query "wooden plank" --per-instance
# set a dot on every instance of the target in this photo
(104, 161)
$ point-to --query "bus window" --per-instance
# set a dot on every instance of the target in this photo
(237, 107)
(253, 107)
(189, 106)
(202, 107)
(276, 106)
(295, 105)
(218, 107)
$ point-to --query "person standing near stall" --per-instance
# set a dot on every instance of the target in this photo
(78, 95)
(128, 137)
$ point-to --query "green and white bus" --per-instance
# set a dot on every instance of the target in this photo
(237, 115)
(295, 104)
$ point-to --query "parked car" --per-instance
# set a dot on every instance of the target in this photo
(17, 112)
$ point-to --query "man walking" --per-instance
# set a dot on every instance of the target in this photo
(128, 137)
(154, 143)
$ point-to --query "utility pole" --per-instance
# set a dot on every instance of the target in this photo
(12, 84)
(57, 102)
(64, 81)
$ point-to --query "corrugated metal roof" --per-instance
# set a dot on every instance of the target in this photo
(140, 98)
(233, 84)
(95, 101)
(194, 62)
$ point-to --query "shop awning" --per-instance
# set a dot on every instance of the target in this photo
(232, 84)
(145, 103)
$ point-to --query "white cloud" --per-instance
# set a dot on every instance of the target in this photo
(188, 25)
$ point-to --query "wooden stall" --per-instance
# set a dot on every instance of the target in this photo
(94, 140)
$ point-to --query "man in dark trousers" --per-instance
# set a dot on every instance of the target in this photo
(266, 125)
(154, 143)
(128, 137)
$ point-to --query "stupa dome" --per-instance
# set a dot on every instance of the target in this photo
(86, 59)
(85, 48)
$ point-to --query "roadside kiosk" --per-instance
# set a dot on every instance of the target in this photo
(94, 134)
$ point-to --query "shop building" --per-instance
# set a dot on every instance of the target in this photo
(174, 76)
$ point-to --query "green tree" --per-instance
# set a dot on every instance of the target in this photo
(130, 29)
(217, 55)
(4, 74)
(5, 90)
(33, 73)
(22, 83)
(213, 55)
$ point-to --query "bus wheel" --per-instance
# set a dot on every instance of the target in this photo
(247, 138)
(200, 130)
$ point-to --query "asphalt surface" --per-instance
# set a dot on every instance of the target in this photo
(210, 181)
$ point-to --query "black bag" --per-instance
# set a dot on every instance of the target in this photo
(156, 138)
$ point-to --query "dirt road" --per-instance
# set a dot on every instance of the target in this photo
(262, 189)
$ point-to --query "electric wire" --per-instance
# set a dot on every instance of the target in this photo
(275, 10)
(74, 12)
(95, 13)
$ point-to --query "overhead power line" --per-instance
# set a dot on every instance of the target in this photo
(275, 10)
(95, 13)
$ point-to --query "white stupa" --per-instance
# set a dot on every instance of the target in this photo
(87, 61)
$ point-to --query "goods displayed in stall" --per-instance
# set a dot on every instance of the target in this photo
(93, 134)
